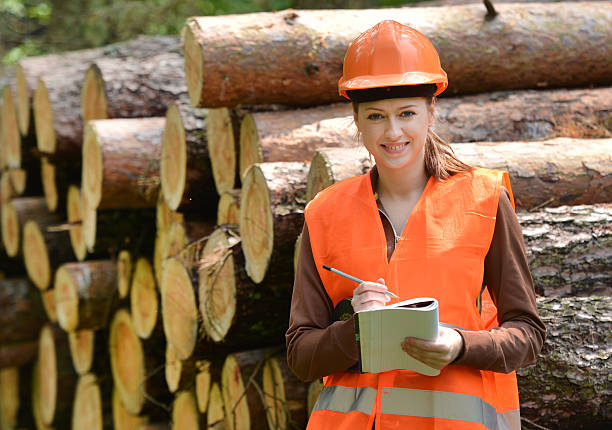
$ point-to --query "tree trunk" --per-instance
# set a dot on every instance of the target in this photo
(86, 294)
(144, 299)
(271, 217)
(295, 57)
(568, 387)
(186, 173)
(222, 129)
(121, 162)
(57, 381)
(285, 396)
(57, 98)
(22, 314)
(569, 249)
(135, 367)
(231, 304)
(14, 215)
(228, 209)
(44, 252)
(17, 354)
(185, 414)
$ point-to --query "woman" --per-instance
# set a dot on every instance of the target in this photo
(420, 224)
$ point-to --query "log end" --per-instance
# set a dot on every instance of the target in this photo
(89, 223)
(250, 149)
(11, 138)
(18, 179)
(173, 369)
(48, 300)
(81, 343)
(91, 178)
(36, 256)
(173, 159)
(202, 385)
(23, 101)
(234, 400)
(122, 419)
(127, 362)
(9, 397)
(194, 66)
(43, 119)
(228, 208)
(185, 413)
(320, 175)
(179, 309)
(256, 224)
(6, 187)
(74, 211)
(143, 299)
(274, 395)
(11, 231)
(66, 299)
(124, 273)
(164, 215)
(94, 104)
(36, 396)
(87, 409)
(47, 176)
(47, 368)
(217, 286)
(221, 148)
(215, 415)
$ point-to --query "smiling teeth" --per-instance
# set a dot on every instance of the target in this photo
(393, 148)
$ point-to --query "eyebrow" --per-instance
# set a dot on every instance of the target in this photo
(382, 110)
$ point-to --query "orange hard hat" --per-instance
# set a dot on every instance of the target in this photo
(391, 54)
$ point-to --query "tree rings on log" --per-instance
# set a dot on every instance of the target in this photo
(124, 273)
(9, 397)
(85, 294)
(14, 215)
(121, 162)
(87, 411)
(185, 414)
(179, 308)
(74, 212)
(122, 419)
(82, 345)
(202, 385)
(18, 179)
(215, 414)
(144, 299)
(36, 399)
(43, 119)
(10, 136)
(22, 314)
(47, 175)
(271, 217)
(222, 133)
(228, 209)
(48, 299)
(284, 395)
(331, 165)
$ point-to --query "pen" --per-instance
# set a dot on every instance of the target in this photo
(352, 278)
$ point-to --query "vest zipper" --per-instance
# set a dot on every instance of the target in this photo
(395, 236)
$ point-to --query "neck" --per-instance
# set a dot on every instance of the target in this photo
(400, 184)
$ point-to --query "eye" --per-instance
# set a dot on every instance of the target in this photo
(374, 116)
(407, 114)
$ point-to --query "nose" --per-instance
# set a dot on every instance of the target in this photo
(393, 131)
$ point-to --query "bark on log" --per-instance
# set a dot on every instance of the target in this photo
(185, 414)
(85, 294)
(9, 136)
(121, 162)
(271, 217)
(57, 380)
(231, 304)
(144, 299)
(295, 57)
(215, 415)
(135, 367)
(59, 80)
(15, 390)
(568, 387)
(228, 209)
(17, 354)
(44, 252)
(285, 396)
(222, 129)
(554, 172)
(92, 408)
(186, 172)
(569, 249)
(14, 215)
(22, 314)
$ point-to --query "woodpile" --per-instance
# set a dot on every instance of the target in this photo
(151, 215)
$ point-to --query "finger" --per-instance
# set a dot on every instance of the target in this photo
(427, 345)
(370, 286)
(434, 361)
(381, 281)
(444, 357)
(373, 295)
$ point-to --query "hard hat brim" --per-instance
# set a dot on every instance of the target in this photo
(410, 78)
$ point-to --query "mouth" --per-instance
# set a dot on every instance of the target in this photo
(397, 147)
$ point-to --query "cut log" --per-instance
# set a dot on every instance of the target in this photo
(202, 385)
(22, 314)
(569, 249)
(85, 294)
(124, 273)
(57, 378)
(74, 213)
(242, 391)
(178, 376)
(144, 299)
(56, 179)
(15, 391)
(134, 87)
(331, 165)
(122, 419)
(222, 129)
(295, 57)
(271, 216)
(231, 304)
(19, 180)
(14, 215)
(44, 252)
(91, 408)
(6, 187)
(23, 100)
(285, 396)
(185, 414)
(83, 344)
(48, 300)
(568, 386)
(17, 354)
(215, 415)
(10, 136)
(164, 215)
(135, 366)
(228, 209)
(121, 162)
(57, 98)
(186, 173)
(314, 389)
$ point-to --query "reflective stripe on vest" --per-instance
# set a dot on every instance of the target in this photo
(418, 403)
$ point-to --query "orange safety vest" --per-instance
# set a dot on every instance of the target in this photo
(440, 254)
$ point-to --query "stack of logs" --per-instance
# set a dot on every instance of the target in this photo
(150, 216)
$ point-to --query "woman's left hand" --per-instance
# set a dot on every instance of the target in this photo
(435, 353)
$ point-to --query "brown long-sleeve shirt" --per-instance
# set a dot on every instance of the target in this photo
(318, 347)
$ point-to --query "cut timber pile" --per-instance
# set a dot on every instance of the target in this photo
(9, 131)
(223, 131)
(22, 314)
(91, 399)
(569, 386)
(14, 216)
(295, 57)
(144, 299)
(15, 405)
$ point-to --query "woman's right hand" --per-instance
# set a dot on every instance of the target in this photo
(370, 295)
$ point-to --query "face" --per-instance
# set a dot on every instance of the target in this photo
(394, 130)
